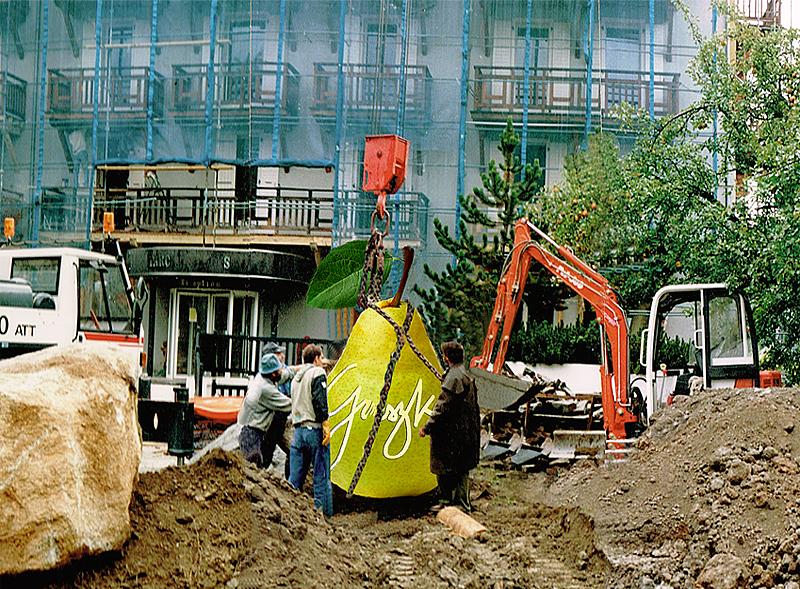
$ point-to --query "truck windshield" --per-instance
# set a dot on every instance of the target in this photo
(103, 298)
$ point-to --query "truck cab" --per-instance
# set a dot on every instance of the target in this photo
(698, 330)
(52, 296)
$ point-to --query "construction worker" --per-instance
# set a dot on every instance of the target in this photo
(285, 386)
(312, 432)
(263, 413)
(454, 429)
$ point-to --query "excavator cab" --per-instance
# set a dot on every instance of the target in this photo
(698, 336)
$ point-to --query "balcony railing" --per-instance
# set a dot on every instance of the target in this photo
(122, 93)
(370, 87)
(239, 355)
(239, 90)
(269, 211)
(559, 92)
(14, 91)
(761, 13)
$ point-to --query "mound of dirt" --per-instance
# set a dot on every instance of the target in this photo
(711, 498)
(222, 523)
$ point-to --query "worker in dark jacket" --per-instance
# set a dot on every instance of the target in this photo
(454, 429)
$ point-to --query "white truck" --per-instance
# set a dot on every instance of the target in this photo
(52, 296)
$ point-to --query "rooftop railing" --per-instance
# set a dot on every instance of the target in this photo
(558, 92)
(239, 89)
(269, 211)
(14, 91)
(371, 87)
(122, 93)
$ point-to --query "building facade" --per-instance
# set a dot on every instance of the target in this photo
(226, 136)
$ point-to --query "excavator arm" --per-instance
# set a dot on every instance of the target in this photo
(588, 284)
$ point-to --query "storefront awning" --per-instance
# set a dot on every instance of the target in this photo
(219, 267)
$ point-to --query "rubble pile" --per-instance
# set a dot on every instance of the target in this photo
(219, 522)
(711, 498)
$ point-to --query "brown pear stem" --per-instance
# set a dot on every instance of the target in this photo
(408, 258)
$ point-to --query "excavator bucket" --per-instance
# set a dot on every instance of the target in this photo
(571, 444)
(497, 391)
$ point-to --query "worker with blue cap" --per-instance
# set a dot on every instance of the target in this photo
(285, 384)
(264, 412)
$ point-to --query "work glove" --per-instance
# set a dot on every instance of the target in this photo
(326, 432)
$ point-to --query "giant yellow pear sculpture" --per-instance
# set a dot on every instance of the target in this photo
(398, 464)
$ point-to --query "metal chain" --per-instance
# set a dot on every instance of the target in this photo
(422, 358)
(384, 395)
(372, 274)
(369, 292)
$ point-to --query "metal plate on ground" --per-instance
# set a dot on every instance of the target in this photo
(497, 391)
(526, 456)
(569, 444)
(495, 451)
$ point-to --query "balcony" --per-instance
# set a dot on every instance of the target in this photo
(764, 14)
(558, 95)
(239, 91)
(369, 87)
(122, 95)
(14, 93)
(278, 211)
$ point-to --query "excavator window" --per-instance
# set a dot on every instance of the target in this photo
(675, 345)
(729, 341)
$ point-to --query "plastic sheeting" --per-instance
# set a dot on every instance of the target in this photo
(298, 83)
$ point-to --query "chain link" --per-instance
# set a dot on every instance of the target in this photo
(372, 274)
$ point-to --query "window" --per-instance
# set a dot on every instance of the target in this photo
(226, 321)
(103, 298)
(192, 319)
(41, 273)
(537, 153)
(539, 61)
(729, 342)
(623, 57)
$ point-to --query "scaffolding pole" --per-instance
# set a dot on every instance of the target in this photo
(151, 77)
(98, 28)
(37, 195)
(276, 118)
(337, 154)
(462, 119)
(210, 84)
(526, 84)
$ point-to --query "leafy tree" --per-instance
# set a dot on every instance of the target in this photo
(755, 97)
(460, 300)
(711, 193)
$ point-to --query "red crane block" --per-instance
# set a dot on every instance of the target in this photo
(385, 158)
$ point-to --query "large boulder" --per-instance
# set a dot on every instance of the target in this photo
(69, 454)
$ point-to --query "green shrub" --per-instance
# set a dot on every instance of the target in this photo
(545, 343)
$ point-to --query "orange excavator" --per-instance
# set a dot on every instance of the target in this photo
(621, 413)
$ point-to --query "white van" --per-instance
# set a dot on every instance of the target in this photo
(51, 296)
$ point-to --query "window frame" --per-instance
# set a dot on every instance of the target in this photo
(57, 260)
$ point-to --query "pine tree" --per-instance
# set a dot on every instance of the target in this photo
(461, 299)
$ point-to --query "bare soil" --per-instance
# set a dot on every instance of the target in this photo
(222, 523)
(711, 499)
(715, 474)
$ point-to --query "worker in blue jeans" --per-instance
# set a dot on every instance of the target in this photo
(312, 432)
